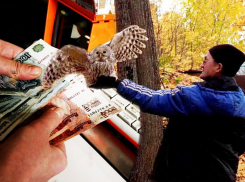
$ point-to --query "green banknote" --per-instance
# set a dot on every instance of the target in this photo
(44, 99)
(39, 54)
(6, 99)
(11, 106)
(12, 119)
(27, 108)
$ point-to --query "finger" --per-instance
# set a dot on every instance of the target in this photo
(48, 121)
(9, 50)
(59, 159)
(62, 147)
(19, 70)
(58, 102)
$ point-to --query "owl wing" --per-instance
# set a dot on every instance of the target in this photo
(127, 43)
(68, 60)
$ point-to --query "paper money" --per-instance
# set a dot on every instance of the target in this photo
(34, 102)
(16, 113)
(17, 97)
(39, 54)
(86, 110)
(11, 118)
(26, 109)
(11, 106)
(19, 100)
(7, 99)
(44, 99)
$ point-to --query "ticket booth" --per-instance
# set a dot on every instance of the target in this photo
(84, 23)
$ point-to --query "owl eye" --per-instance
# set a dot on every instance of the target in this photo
(104, 52)
(97, 52)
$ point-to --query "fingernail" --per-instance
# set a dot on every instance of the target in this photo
(58, 111)
(34, 70)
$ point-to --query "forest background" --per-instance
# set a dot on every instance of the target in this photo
(187, 30)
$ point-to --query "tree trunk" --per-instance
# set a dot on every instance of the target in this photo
(126, 69)
(137, 12)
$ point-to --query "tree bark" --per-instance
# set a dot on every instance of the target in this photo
(137, 12)
(126, 69)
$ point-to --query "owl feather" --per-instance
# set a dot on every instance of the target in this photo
(70, 59)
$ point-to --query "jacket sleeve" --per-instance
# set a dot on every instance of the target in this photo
(168, 102)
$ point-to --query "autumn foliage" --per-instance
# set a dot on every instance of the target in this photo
(186, 32)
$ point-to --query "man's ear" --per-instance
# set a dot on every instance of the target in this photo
(220, 67)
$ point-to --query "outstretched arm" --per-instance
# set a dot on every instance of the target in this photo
(168, 102)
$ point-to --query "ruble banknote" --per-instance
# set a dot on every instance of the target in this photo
(39, 54)
(20, 100)
(85, 108)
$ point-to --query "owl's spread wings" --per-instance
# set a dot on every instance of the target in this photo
(127, 43)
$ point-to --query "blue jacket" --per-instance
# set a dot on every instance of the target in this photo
(184, 100)
(206, 130)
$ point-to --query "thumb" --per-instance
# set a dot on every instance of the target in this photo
(19, 70)
(49, 120)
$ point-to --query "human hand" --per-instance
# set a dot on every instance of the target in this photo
(27, 156)
(15, 69)
(106, 82)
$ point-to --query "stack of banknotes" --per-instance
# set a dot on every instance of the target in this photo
(19, 99)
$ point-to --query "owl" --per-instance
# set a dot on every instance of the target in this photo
(70, 59)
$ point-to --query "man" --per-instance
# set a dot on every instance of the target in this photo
(206, 130)
(27, 155)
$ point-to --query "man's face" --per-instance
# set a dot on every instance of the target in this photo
(210, 68)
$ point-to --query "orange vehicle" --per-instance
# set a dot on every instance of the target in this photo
(84, 23)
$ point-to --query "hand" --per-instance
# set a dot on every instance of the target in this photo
(106, 82)
(27, 155)
(15, 69)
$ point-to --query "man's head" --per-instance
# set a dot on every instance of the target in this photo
(223, 59)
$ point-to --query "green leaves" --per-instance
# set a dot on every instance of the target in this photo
(186, 33)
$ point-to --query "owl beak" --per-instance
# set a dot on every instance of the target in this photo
(100, 55)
